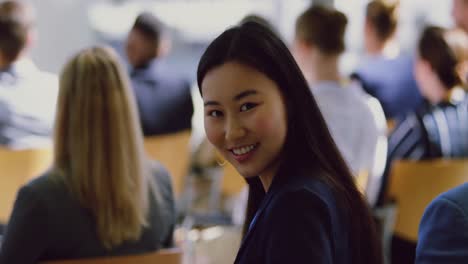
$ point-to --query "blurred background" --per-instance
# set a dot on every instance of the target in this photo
(195, 22)
(212, 205)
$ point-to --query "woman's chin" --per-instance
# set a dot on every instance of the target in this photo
(247, 174)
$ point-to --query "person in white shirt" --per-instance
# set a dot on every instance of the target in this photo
(352, 118)
(27, 95)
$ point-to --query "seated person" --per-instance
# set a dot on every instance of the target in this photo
(27, 95)
(101, 197)
(319, 43)
(164, 100)
(443, 232)
(386, 74)
(440, 127)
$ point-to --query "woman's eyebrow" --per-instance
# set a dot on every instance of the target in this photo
(244, 94)
(236, 98)
(211, 103)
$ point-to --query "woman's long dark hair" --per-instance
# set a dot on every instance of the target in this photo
(308, 142)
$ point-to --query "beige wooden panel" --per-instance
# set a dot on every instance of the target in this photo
(414, 184)
(173, 151)
(233, 182)
(17, 167)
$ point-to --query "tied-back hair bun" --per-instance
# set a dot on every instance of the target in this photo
(383, 16)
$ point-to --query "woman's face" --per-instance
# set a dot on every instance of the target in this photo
(245, 118)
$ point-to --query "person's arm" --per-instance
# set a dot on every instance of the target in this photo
(26, 236)
(443, 234)
(300, 231)
(378, 150)
(164, 182)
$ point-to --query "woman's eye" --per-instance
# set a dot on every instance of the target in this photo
(247, 106)
(214, 113)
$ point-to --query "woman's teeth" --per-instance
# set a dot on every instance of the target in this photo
(243, 150)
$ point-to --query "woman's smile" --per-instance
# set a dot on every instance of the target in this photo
(243, 153)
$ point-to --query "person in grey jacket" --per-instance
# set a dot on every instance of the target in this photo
(101, 196)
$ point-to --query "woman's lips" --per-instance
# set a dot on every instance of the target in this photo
(241, 154)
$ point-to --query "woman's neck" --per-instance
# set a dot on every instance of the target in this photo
(266, 181)
(388, 49)
(267, 176)
(375, 48)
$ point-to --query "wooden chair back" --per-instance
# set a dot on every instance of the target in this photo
(391, 123)
(17, 167)
(173, 151)
(233, 182)
(166, 256)
(414, 184)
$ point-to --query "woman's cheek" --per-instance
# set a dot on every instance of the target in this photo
(264, 124)
(214, 133)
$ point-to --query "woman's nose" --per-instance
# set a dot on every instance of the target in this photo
(234, 130)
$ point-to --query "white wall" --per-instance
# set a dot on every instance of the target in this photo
(63, 29)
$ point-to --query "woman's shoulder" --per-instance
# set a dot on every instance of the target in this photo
(306, 205)
(48, 182)
(45, 191)
(306, 202)
(161, 181)
(159, 172)
(307, 186)
(307, 195)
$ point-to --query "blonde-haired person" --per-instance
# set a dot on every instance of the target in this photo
(101, 197)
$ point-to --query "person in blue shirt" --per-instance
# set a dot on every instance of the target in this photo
(386, 73)
(443, 231)
(439, 128)
(163, 97)
(303, 205)
(28, 95)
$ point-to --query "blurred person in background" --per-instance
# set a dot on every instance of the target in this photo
(102, 197)
(443, 231)
(164, 99)
(319, 42)
(439, 128)
(386, 73)
(27, 95)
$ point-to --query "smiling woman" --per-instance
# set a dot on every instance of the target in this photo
(246, 120)
(261, 116)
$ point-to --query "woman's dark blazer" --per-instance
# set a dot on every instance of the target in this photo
(297, 222)
(47, 223)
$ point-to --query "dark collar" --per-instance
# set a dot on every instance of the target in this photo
(151, 67)
(281, 183)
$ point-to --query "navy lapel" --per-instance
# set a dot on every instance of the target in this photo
(268, 198)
